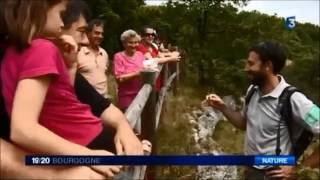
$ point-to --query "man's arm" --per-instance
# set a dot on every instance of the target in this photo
(234, 117)
(90, 96)
(306, 114)
(164, 58)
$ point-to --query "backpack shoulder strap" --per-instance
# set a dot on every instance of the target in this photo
(250, 93)
(284, 108)
(300, 144)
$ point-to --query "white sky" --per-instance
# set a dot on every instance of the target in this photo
(303, 10)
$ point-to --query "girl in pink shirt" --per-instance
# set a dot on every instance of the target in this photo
(127, 65)
(46, 116)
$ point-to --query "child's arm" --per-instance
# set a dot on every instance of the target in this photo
(25, 128)
(29, 134)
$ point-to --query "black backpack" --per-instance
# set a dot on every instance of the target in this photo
(299, 144)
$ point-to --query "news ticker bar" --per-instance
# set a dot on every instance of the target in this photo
(179, 160)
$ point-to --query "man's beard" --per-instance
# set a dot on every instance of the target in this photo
(257, 79)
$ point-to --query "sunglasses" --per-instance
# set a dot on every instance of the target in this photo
(149, 34)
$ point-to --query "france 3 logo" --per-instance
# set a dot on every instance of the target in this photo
(290, 22)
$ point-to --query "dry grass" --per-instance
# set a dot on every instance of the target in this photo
(174, 133)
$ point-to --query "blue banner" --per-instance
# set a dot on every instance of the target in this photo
(274, 160)
(179, 160)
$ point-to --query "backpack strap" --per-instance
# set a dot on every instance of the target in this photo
(250, 93)
(300, 144)
(284, 109)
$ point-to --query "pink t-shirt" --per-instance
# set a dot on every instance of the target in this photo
(61, 112)
(123, 64)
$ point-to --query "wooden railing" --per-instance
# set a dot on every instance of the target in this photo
(145, 110)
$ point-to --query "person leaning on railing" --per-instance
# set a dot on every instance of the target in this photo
(149, 51)
(127, 65)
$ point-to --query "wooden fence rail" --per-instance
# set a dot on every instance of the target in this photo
(144, 113)
(136, 107)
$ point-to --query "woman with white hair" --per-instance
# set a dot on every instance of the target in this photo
(127, 65)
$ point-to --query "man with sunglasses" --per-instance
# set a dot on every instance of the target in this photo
(150, 51)
(260, 117)
(146, 45)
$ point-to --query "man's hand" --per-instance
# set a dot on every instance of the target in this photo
(108, 171)
(282, 172)
(215, 101)
(175, 56)
(126, 142)
(233, 116)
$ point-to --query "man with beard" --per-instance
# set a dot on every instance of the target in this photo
(260, 117)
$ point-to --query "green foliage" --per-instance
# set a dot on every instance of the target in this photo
(215, 37)
(118, 15)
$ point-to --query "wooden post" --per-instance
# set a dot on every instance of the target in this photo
(165, 73)
(162, 96)
(139, 105)
(133, 112)
(148, 117)
(176, 83)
